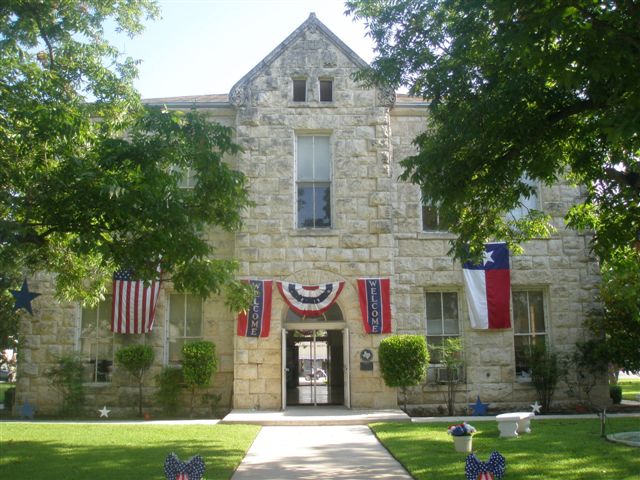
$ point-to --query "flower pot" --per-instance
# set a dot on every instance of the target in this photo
(463, 443)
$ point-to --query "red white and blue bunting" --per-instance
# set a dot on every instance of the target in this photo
(476, 469)
(310, 300)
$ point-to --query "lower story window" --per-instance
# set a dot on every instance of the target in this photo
(96, 342)
(185, 323)
(528, 327)
(442, 321)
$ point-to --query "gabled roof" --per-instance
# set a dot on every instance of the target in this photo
(309, 24)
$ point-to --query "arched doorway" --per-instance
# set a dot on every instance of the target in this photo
(315, 351)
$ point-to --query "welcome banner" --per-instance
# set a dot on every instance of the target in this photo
(375, 304)
(256, 321)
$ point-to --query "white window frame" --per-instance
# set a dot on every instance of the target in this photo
(438, 228)
(435, 368)
(167, 336)
(526, 204)
(328, 182)
(106, 303)
(531, 333)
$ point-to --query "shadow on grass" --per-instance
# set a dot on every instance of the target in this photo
(113, 452)
(564, 449)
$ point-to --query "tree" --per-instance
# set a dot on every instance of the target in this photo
(81, 198)
(403, 361)
(452, 360)
(519, 91)
(136, 359)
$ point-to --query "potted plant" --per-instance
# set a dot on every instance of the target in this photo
(462, 434)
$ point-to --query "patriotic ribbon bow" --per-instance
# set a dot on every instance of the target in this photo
(174, 469)
(479, 470)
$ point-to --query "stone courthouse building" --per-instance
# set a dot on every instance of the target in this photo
(322, 154)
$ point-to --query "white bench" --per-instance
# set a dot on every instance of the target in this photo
(510, 424)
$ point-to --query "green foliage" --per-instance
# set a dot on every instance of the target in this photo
(80, 197)
(545, 373)
(452, 360)
(67, 377)
(170, 384)
(136, 359)
(584, 368)
(199, 364)
(517, 90)
(403, 361)
(615, 392)
(620, 320)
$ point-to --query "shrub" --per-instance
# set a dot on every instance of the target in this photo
(199, 364)
(451, 358)
(615, 392)
(67, 377)
(170, 383)
(403, 361)
(544, 373)
(136, 359)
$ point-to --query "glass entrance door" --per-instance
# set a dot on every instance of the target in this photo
(314, 367)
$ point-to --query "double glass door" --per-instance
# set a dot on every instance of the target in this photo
(314, 367)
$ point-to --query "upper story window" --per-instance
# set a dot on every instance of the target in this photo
(313, 181)
(432, 221)
(299, 89)
(528, 327)
(185, 323)
(526, 204)
(96, 342)
(326, 90)
(442, 321)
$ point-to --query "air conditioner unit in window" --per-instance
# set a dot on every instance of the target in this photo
(442, 375)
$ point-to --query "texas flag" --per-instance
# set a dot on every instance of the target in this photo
(488, 288)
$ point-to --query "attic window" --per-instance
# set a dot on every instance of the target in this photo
(300, 90)
(326, 90)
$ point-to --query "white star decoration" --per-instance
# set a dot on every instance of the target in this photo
(535, 407)
(104, 412)
(487, 257)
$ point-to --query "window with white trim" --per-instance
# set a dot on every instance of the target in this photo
(526, 204)
(443, 321)
(313, 181)
(529, 327)
(432, 221)
(96, 342)
(185, 323)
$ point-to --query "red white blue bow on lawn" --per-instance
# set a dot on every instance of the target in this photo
(256, 321)
(476, 469)
(174, 469)
(310, 300)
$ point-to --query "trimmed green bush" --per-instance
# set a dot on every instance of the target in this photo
(615, 392)
(136, 359)
(199, 364)
(403, 361)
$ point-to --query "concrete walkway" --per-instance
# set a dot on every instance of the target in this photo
(318, 452)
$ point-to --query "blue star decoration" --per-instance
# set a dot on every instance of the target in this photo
(27, 410)
(494, 468)
(479, 408)
(193, 469)
(23, 297)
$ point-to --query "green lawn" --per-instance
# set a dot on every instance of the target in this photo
(566, 449)
(630, 388)
(93, 451)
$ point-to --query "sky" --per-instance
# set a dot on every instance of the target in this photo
(202, 47)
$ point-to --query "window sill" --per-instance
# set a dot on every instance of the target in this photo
(314, 232)
(97, 384)
(435, 235)
(315, 104)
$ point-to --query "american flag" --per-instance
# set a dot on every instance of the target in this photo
(134, 303)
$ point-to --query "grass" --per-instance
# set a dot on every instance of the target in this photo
(568, 449)
(630, 388)
(107, 451)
